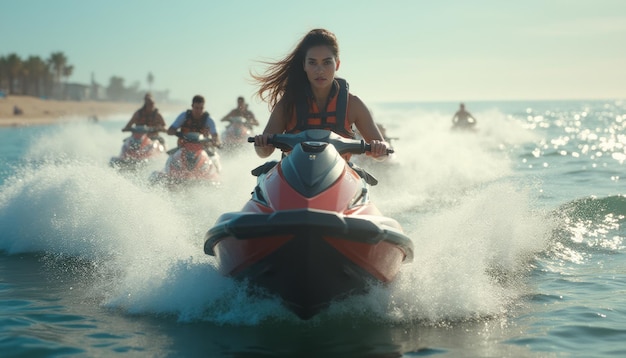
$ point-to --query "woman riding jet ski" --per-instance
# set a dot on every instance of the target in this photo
(310, 233)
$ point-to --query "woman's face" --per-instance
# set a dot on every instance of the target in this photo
(320, 66)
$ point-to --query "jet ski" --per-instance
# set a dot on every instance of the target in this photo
(138, 149)
(192, 162)
(310, 233)
(468, 125)
(236, 133)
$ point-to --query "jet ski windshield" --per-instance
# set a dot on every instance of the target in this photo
(310, 169)
(313, 147)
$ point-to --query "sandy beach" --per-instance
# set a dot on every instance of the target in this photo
(36, 111)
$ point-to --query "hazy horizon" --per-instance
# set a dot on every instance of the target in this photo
(400, 51)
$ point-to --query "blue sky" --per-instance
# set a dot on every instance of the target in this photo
(409, 50)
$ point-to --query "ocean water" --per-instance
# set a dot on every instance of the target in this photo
(518, 227)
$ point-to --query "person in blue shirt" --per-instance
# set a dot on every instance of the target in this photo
(196, 119)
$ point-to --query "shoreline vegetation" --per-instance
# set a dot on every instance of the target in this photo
(37, 111)
(36, 91)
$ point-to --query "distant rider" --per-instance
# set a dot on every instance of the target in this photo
(148, 115)
(197, 120)
(461, 118)
(242, 111)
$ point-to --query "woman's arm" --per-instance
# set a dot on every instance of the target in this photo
(276, 124)
(362, 119)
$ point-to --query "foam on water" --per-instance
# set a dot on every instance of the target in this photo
(474, 234)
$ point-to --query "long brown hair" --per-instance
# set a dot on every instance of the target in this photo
(285, 79)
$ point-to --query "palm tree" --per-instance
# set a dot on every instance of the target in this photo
(3, 70)
(150, 81)
(24, 78)
(67, 73)
(14, 69)
(35, 71)
(57, 62)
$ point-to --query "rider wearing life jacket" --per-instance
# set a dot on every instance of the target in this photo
(197, 120)
(148, 115)
(309, 72)
(334, 117)
(307, 114)
(241, 111)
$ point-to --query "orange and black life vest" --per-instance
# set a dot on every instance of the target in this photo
(193, 125)
(147, 118)
(333, 118)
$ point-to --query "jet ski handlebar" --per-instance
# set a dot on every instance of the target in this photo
(343, 145)
(193, 137)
